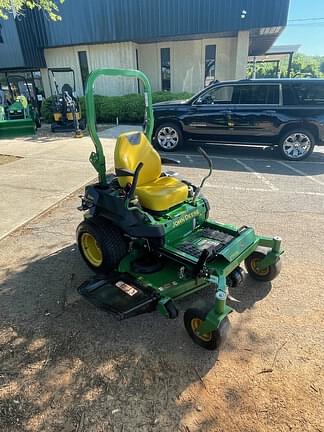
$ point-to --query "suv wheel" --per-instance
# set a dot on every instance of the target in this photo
(168, 137)
(296, 145)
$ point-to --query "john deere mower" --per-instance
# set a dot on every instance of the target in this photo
(66, 105)
(147, 236)
(18, 118)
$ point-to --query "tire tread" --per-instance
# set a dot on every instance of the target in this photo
(112, 242)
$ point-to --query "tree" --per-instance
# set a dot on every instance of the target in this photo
(302, 65)
(322, 67)
(16, 7)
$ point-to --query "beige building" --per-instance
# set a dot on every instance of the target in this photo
(181, 45)
(188, 69)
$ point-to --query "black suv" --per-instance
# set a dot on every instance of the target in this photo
(288, 113)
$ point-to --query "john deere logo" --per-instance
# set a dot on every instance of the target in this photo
(183, 219)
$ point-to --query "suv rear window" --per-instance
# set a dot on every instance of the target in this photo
(309, 94)
(289, 95)
(256, 94)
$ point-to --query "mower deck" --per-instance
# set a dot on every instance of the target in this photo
(119, 295)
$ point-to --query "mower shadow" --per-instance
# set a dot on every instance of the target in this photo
(67, 360)
(248, 293)
(265, 160)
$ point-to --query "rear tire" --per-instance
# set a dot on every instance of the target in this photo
(296, 145)
(168, 137)
(102, 246)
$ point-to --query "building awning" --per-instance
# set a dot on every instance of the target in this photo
(276, 53)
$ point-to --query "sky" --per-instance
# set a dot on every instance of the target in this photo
(308, 34)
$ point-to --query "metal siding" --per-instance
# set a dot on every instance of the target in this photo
(102, 21)
(105, 21)
(99, 56)
(31, 34)
(10, 45)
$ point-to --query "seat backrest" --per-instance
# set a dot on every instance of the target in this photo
(133, 148)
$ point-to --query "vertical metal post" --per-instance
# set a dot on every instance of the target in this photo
(277, 68)
(254, 67)
(289, 64)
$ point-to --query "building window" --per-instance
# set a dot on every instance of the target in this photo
(165, 69)
(83, 62)
(137, 67)
(210, 64)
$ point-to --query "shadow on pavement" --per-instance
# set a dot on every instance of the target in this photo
(238, 158)
(248, 293)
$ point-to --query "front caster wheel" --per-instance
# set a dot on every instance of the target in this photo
(264, 275)
(211, 341)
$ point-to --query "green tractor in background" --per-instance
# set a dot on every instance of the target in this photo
(148, 237)
(18, 116)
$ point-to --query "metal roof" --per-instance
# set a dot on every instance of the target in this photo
(283, 49)
(275, 53)
(103, 21)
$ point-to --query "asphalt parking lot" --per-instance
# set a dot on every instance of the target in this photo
(271, 176)
(70, 367)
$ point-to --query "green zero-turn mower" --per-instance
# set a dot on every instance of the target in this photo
(20, 118)
(147, 235)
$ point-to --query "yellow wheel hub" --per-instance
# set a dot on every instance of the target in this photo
(91, 249)
(195, 323)
(257, 270)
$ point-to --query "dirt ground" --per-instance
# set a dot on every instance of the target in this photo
(4, 159)
(67, 366)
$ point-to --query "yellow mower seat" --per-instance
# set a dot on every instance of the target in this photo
(154, 192)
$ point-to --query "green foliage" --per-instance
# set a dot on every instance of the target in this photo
(163, 96)
(50, 7)
(46, 110)
(322, 67)
(129, 108)
(302, 65)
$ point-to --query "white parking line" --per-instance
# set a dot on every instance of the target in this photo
(258, 175)
(245, 159)
(302, 173)
(240, 188)
(249, 189)
(189, 158)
